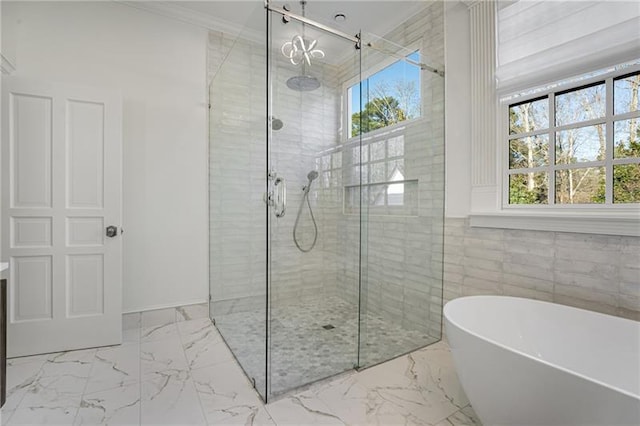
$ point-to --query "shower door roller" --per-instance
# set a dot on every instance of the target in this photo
(112, 231)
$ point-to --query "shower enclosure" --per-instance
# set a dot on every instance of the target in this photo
(326, 215)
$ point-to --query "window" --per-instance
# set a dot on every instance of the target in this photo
(389, 96)
(579, 146)
(385, 190)
(330, 166)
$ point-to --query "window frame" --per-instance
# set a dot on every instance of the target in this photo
(550, 92)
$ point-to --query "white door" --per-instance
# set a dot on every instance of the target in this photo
(61, 189)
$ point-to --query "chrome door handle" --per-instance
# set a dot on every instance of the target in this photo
(280, 202)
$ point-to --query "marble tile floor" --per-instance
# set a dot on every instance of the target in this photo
(302, 351)
(182, 373)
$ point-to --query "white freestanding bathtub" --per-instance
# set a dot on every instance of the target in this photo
(526, 362)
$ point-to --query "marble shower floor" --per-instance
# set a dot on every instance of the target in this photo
(177, 373)
(302, 351)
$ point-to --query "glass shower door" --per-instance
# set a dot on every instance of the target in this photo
(237, 222)
(314, 246)
(403, 197)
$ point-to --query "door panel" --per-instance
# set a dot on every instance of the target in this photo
(85, 144)
(85, 231)
(31, 288)
(30, 144)
(61, 186)
(31, 232)
(85, 285)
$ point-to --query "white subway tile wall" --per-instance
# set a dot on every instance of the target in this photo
(403, 254)
(595, 272)
(237, 173)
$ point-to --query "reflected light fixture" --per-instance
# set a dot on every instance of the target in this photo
(300, 50)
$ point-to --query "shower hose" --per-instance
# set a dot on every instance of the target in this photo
(305, 197)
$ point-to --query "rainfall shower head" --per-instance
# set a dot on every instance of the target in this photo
(303, 83)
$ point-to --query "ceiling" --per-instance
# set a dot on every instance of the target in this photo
(378, 17)
(247, 17)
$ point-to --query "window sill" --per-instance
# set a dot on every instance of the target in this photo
(623, 223)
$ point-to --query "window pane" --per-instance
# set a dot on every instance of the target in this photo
(326, 179)
(396, 146)
(581, 144)
(377, 151)
(356, 158)
(377, 195)
(326, 162)
(401, 82)
(528, 117)
(356, 175)
(580, 186)
(336, 160)
(395, 170)
(355, 155)
(532, 151)
(387, 97)
(580, 105)
(377, 172)
(395, 194)
(529, 188)
(625, 94)
(626, 138)
(626, 183)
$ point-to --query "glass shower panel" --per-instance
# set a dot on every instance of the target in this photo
(237, 183)
(402, 195)
(314, 241)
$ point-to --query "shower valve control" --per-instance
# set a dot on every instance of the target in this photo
(276, 197)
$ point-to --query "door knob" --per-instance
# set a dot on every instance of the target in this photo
(112, 231)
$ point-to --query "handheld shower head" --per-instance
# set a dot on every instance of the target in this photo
(312, 175)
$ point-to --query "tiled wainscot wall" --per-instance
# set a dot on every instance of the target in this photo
(595, 272)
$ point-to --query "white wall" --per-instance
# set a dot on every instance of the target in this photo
(159, 65)
(457, 109)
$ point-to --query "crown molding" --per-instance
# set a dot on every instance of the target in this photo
(500, 3)
(189, 16)
(6, 67)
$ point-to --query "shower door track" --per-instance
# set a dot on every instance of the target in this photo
(355, 39)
